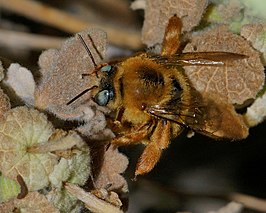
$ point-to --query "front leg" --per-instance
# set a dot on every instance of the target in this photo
(159, 140)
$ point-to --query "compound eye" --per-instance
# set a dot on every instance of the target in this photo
(106, 68)
(103, 97)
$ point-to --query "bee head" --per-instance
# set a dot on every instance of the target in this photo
(106, 91)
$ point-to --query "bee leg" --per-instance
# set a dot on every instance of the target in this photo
(158, 141)
(135, 136)
(171, 41)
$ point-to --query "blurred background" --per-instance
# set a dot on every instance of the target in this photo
(194, 174)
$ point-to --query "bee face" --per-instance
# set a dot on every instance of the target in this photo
(106, 90)
(154, 100)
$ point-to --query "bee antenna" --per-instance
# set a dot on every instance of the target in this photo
(94, 46)
(88, 50)
(81, 94)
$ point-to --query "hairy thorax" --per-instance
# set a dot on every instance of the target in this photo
(142, 83)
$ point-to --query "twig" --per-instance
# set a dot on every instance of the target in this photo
(249, 201)
(92, 202)
(67, 22)
(138, 5)
(23, 40)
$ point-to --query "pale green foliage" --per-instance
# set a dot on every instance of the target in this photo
(8, 188)
(236, 13)
(20, 129)
(63, 200)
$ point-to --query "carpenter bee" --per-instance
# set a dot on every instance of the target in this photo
(154, 99)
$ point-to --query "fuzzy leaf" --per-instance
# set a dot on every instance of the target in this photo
(63, 200)
(114, 164)
(95, 127)
(34, 202)
(62, 75)
(20, 129)
(74, 170)
(22, 82)
(256, 113)
(235, 82)
(158, 12)
(8, 188)
(256, 34)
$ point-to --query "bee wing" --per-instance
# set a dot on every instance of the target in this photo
(213, 118)
(193, 119)
(175, 114)
(200, 58)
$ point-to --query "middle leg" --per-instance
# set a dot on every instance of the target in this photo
(134, 135)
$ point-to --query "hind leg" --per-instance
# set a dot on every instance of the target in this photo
(159, 141)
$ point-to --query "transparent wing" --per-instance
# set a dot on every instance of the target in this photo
(195, 118)
(199, 58)
(209, 116)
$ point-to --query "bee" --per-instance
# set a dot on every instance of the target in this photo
(155, 101)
